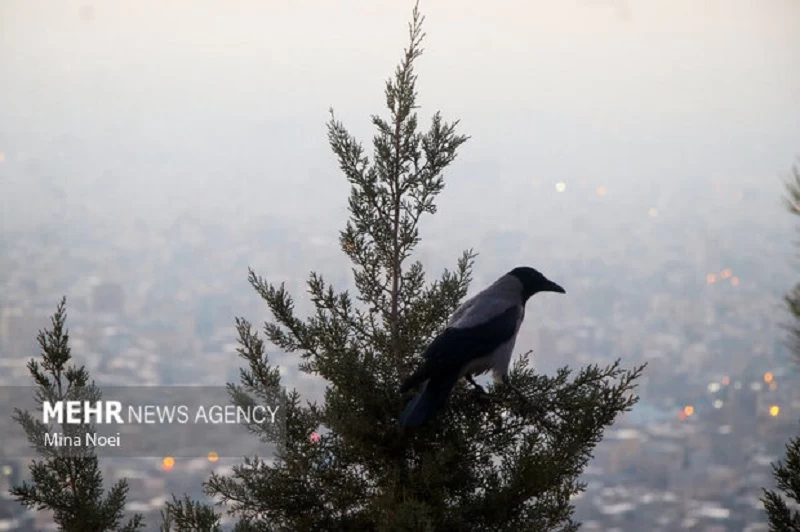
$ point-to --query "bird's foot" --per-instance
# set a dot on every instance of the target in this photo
(477, 388)
(481, 396)
(507, 382)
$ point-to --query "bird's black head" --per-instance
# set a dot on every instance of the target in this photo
(534, 282)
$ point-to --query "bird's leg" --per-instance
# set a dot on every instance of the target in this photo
(507, 382)
(478, 387)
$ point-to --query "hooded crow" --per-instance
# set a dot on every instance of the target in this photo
(479, 337)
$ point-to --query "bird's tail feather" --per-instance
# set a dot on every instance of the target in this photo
(429, 402)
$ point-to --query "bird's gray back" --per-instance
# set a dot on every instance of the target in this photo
(483, 307)
(461, 310)
(491, 301)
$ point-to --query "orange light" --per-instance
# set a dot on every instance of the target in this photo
(213, 457)
(167, 463)
(711, 278)
(768, 377)
(774, 410)
(688, 410)
(726, 273)
(601, 191)
(735, 281)
(726, 381)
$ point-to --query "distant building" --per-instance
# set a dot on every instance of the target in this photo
(621, 445)
(18, 330)
(8, 319)
(212, 312)
(10, 474)
(108, 298)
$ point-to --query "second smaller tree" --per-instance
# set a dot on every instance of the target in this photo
(67, 480)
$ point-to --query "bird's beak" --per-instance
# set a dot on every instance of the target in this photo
(553, 287)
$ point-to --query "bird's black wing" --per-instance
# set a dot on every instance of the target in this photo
(457, 346)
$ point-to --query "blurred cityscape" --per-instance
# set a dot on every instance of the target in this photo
(150, 152)
(719, 398)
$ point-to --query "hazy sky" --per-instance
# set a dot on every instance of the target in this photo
(192, 99)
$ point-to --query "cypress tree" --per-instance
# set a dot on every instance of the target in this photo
(486, 463)
(67, 480)
(780, 516)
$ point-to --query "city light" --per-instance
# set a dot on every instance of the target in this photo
(652, 212)
(561, 186)
(688, 410)
(168, 463)
(601, 191)
(713, 387)
(213, 457)
(718, 403)
(726, 381)
(711, 278)
(726, 273)
(7, 470)
(735, 281)
(768, 377)
(774, 410)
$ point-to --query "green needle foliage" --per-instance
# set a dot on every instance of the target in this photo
(780, 516)
(793, 298)
(67, 480)
(494, 463)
